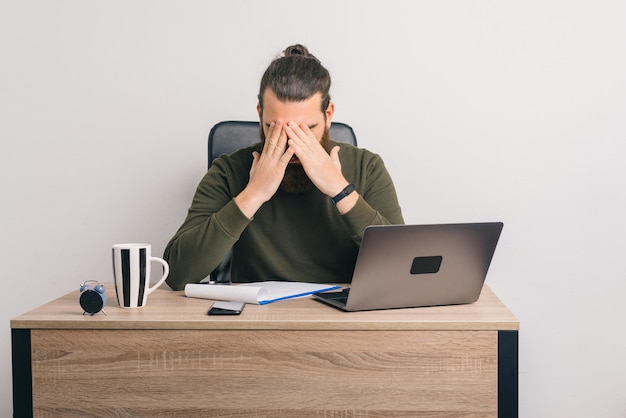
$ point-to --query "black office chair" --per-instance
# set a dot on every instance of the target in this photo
(229, 136)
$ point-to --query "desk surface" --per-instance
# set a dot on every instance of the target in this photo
(167, 309)
(275, 360)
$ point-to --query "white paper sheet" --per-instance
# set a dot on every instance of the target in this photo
(257, 292)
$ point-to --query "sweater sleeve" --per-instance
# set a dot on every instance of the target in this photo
(213, 225)
(378, 202)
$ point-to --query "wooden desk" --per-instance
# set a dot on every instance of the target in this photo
(295, 358)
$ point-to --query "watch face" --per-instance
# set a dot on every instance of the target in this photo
(91, 301)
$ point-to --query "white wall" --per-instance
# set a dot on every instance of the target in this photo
(482, 110)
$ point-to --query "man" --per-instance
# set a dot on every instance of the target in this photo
(272, 202)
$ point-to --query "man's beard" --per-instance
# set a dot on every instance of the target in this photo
(296, 179)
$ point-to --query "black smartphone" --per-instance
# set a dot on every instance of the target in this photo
(226, 308)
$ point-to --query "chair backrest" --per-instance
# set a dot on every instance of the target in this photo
(229, 136)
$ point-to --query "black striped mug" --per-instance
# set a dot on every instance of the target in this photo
(131, 272)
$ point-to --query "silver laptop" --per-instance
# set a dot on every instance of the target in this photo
(406, 266)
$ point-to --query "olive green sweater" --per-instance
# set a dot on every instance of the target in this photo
(296, 237)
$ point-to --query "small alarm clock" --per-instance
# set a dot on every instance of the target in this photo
(92, 297)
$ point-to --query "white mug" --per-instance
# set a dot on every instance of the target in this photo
(131, 271)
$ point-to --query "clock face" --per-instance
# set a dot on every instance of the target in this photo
(91, 301)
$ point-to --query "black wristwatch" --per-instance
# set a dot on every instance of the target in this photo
(345, 192)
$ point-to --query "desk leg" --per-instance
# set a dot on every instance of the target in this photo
(22, 373)
(508, 374)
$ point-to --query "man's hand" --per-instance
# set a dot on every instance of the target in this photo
(267, 171)
(323, 170)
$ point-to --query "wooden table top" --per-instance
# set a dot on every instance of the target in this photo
(167, 309)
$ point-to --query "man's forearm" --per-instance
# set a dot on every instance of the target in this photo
(201, 244)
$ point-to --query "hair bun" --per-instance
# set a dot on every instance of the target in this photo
(296, 49)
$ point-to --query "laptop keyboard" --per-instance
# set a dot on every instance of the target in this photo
(341, 297)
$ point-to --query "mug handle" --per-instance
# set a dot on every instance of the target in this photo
(166, 271)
